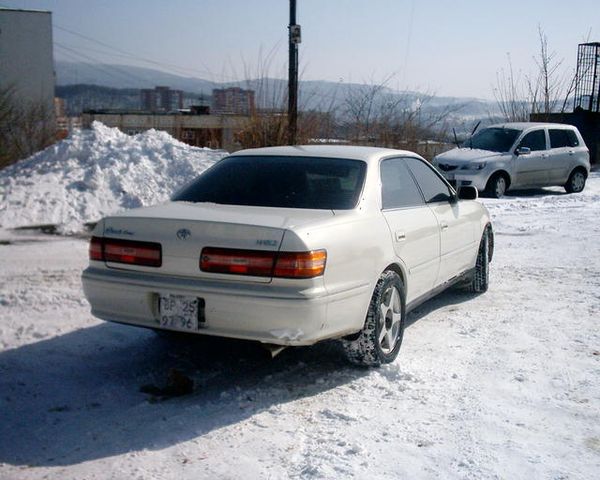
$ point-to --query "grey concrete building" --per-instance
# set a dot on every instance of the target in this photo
(26, 60)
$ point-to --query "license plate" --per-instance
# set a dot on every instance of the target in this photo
(178, 312)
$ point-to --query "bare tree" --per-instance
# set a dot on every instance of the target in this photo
(513, 94)
(546, 91)
(25, 127)
(376, 115)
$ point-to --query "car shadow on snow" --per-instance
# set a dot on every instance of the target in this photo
(76, 397)
(452, 296)
(534, 192)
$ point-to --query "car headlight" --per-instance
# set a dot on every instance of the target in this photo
(473, 166)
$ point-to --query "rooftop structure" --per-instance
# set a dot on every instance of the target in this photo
(587, 81)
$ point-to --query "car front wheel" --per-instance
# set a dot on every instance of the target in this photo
(576, 182)
(380, 339)
(496, 186)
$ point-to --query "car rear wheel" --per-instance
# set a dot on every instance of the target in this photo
(380, 339)
(481, 277)
(576, 182)
(496, 186)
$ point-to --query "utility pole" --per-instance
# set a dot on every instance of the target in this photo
(294, 40)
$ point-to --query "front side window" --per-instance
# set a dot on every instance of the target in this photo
(535, 140)
(433, 187)
(279, 181)
(493, 139)
(398, 188)
(560, 138)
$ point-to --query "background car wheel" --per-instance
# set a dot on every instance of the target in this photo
(481, 278)
(496, 186)
(380, 339)
(576, 181)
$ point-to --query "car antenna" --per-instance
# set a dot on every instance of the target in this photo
(455, 137)
(473, 133)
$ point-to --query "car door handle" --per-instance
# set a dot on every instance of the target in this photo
(444, 226)
(400, 236)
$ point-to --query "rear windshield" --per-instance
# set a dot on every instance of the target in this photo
(287, 182)
(493, 139)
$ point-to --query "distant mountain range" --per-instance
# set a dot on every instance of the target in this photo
(94, 86)
(122, 76)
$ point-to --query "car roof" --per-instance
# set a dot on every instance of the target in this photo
(367, 154)
(526, 125)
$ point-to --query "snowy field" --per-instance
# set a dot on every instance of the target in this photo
(501, 385)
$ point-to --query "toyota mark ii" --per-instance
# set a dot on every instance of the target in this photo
(292, 245)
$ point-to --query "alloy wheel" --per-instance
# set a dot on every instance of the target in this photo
(390, 319)
(578, 182)
(500, 187)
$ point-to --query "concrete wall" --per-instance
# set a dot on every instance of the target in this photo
(26, 60)
(175, 125)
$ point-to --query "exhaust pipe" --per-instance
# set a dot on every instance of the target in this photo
(273, 349)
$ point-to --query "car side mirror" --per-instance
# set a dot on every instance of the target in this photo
(523, 151)
(467, 193)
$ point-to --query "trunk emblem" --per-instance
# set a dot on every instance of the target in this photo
(183, 234)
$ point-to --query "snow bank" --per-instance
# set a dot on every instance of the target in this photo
(94, 173)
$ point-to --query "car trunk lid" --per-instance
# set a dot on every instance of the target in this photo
(184, 229)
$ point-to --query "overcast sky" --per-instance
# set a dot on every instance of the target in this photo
(450, 48)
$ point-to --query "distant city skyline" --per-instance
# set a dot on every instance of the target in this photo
(446, 48)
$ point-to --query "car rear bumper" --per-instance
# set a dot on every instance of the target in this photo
(265, 313)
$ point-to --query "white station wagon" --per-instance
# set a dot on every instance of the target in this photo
(293, 245)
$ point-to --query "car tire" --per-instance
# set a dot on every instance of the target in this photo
(380, 339)
(481, 277)
(496, 186)
(576, 181)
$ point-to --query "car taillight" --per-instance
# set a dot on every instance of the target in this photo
(259, 263)
(147, 254)
(300, 264)
(96, 252)
(238, 262)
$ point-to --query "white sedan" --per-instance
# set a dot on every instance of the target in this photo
(293, 245)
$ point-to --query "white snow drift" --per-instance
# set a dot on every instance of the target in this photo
(96, 172)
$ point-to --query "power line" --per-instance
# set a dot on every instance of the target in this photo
(144, 59)
(105, 68)
(76, 53)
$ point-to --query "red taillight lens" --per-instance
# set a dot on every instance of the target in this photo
(96, 252)
(300, 264)
(263, 264)
(238, 262)
(146, 254)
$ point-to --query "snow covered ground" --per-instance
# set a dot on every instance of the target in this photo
(501, 385)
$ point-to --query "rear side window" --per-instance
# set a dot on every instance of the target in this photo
(535, 140)
(398, 189)
(563, 138)
(433, 187)
(278, 181)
